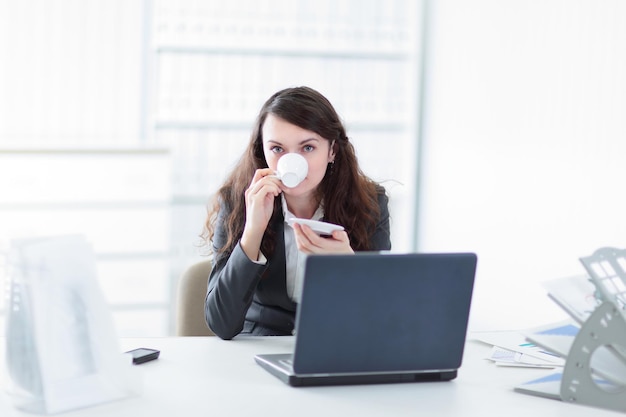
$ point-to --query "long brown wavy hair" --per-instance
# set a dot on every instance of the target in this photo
(350, 198)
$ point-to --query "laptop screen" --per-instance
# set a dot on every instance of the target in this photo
(373, 312)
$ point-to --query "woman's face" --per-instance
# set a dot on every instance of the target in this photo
(281, 137)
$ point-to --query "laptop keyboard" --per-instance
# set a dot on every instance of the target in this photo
(287, 363)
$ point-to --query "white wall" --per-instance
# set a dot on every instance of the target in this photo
(524, 145)
(70, 73)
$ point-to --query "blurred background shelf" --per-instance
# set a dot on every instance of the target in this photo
(124, 116)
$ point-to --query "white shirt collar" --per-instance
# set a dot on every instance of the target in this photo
(294, 259)
(319, 212)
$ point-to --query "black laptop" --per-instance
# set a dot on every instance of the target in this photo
(379, 318)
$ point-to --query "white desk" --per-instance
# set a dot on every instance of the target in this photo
(211, 377)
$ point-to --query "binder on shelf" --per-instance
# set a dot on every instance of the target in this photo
(595, 368)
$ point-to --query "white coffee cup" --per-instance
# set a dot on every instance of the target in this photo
(292, 169)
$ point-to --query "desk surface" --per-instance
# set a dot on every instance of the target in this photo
(202, 376)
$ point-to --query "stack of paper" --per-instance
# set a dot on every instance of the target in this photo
(511, 348)
(546, 346)
(575, 295)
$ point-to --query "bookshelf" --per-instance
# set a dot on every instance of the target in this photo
(126, 82)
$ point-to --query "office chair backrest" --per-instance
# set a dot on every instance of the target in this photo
(192, 287)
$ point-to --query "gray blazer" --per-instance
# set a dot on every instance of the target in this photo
(248, 298)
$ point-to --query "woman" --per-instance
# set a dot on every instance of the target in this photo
(257, 257)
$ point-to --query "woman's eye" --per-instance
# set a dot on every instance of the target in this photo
(276, 149)
(308, 148)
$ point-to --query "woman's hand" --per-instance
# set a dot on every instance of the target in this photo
(310, 242)
(259, 196)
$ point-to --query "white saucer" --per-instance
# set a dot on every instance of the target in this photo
(319, 227)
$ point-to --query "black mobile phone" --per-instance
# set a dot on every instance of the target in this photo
(142, 355)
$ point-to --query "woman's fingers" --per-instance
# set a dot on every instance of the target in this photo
(310, 242)
(260, 199)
